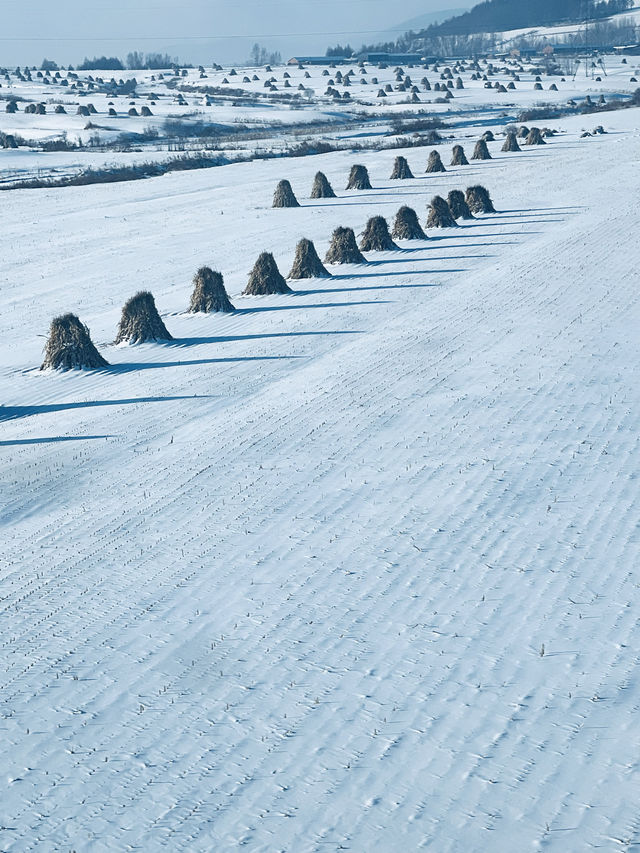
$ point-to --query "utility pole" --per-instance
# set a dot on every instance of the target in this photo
(586, 4)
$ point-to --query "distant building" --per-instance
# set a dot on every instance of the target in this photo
(391, 58)
(318, 60)
(373, 58)
(580, 49)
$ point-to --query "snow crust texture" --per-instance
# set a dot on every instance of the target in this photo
(353, 567)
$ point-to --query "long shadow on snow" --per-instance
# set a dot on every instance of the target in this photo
(364, 193)
(446, 257)
(221, 339)
(458, 172)
(494, 219)
(384, 261)
(455, 233)
(518, 220)
(372, 287)
(11, 412)
(344, 201)
(348, 199)
(392, 196)
(388, 192)
(481, 223)
(390, 274)
(568, 209)
(519, 217)
(307, 305)
(53, 439)
(133, 367)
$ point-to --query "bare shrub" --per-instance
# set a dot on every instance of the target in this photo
(321, 187)
(458, 157)
(359, 178)
(458, 206)
(265, 278)
(140, 321)
(376, 237)
(534, 137)
(481, 152)
(479, 200)
(439, 215)
(284, 195)
(407, 226)
(69, 346)
(511, 142)
(343, 248)
(435, 164)
(209, 293)
(306, 263)
(401, 169)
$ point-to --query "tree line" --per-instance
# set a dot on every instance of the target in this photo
(135, 61)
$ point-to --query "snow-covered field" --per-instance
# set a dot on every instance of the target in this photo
(253, 118)
(350, 569)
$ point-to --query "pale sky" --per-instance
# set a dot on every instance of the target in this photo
(195, 30)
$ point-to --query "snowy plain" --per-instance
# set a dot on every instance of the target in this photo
(241, 108)
(349, 569)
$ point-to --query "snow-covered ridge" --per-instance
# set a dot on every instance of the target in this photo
(560, 32)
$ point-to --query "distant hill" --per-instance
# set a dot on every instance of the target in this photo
(422, 21)
(474, 30)
(499, 15)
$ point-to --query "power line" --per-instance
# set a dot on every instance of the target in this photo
(200, 38)
(261, 3)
